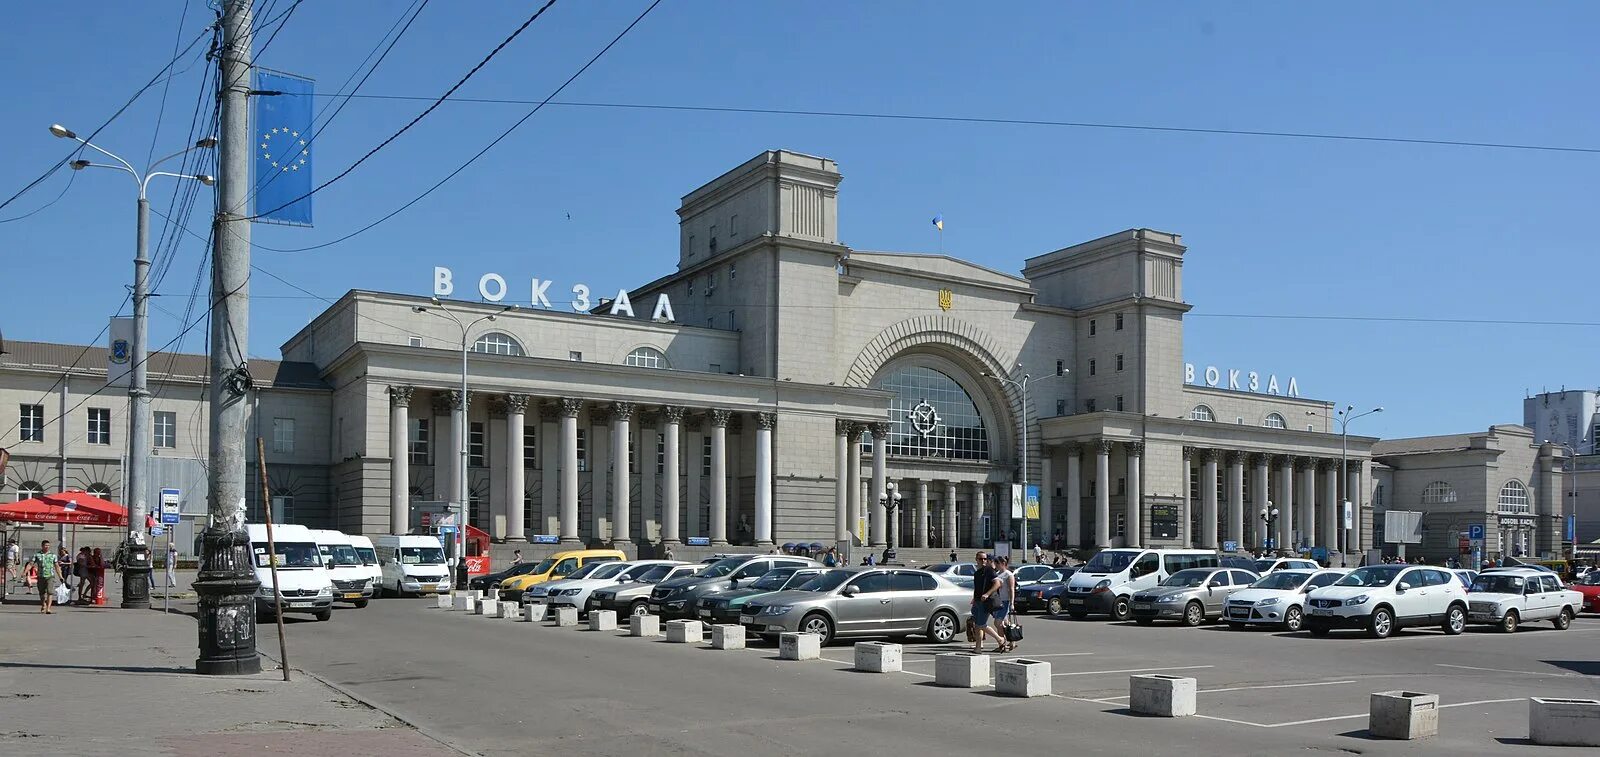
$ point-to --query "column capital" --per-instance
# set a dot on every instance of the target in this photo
(1208, 455)
(400, 395)
(1302, 463)
(1283, 461)
(1133, 449)
(457, 400)
(549, 411)
(766, 420)
(1327, 465)
(672, 413)
(1234, 457)
(442, 402)
(879, 429)
(842, 427)
(1190, 452)
(718, 418)
(516, 403)
(1259, 459)
(622, 411)
(497, 406)
(569, 406)
(1104, 446)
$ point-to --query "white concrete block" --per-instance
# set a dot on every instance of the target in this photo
(443, 600)
(1564, 722)
(509, 610)
(727, 636)
(644, 625)
(1403, 715)
(486, 606)
(799, 646)
(1022, 678)
(566, 616)
(686, 631)
(463, 602)
(1162, 696)
(603, 620)
(533, 613)
(878, 657)
(963, 670)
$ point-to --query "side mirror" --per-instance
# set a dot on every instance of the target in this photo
(851, 591)
(1401, 589)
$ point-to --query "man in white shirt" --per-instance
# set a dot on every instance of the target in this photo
(11, 567)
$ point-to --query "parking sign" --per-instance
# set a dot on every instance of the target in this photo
(1475, 531)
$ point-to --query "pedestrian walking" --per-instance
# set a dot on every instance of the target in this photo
(830, 559)
(97, 576)
(516, 557)
(64, 568)
(10, 568)
(1006, 583)
(1038, 552)
(45, 564)
(80, 570)
(984, 586)
(953, 555)
(669, 554)
(172, 565)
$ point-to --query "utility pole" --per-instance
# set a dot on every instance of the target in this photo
(227, 581)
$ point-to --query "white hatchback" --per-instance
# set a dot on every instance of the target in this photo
(1385, 598)
(1278, 599)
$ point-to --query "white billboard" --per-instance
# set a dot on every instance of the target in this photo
(1402, 527)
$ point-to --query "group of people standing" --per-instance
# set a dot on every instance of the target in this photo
(994, 594)
(84, 576)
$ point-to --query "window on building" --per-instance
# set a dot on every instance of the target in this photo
(498, 343)
(1088, 406)
(477, 445)
(1438, 493)
(1514, 497)
(733, 270)
(1377, 498)
(283, 435)
(527, 512)
(705, 456)
(530, 446)
(1122, 486)
(1311, 427)
(1122, 523)
(417, 443)
(583, 450)
(1119, 403)
(714, 367)
(29, 490)
(633, 456)
(647, 357)
(661, 454)
(1061, 407)
(933, 415)
(1119, 321)
(1091, 366)
(100, 490)
(691, 254)
(691, 286)
(733, 323)
(1061, 367)
(1091, 327)
(99, 425)
(282, 508)
(733, 226)
(575, 356)
(1274, 420)
(166, 429)
(1202, 413)
(1092, 485)
(475, 514)
(32, 423)
(1119, 361)
(711, 278)
(414, 341)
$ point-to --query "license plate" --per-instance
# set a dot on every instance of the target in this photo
(1321, 611)
(1141, 606)
(352, 595)
(746, 620)
(1074, 601)
(299, 604)
(705, 613)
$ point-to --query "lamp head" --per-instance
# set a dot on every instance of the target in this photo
(1378, 409)
(79, 164)
(206, 142)
(207, 179)
(491, 316)
(435, 300)
(418, 309)
(62, 132)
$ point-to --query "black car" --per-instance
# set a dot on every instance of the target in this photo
(488, 582)
(1048, 594)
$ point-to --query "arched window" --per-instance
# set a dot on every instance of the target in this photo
(29, 490)
(1514, 497)
(100, 490)
(931, 415)
(1202, 413)
(647, 357)
(498, 343)
(1274, 420)
(1438, 493)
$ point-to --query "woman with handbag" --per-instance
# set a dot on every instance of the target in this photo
(1004, 597)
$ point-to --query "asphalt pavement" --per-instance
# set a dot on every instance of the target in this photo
(496, 686)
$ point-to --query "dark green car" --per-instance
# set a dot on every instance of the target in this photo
(725, 607)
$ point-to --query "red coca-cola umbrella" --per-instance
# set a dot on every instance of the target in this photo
(69, 507)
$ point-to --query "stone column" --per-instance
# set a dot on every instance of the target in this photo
(980, 504)
(1331, 522)
(569, 408)
(1236, 499)
(880, 515)
(951, 523)
(1074, 492)
(549, 468)
(459, 430)
(922, 513)
(599, 449)
(1262, 498)
(621, 482)
(853, 485)
(444, 450)
(671, 421)
(1185, 523)
(516, 483)
(1102, 493)
(1352, 487)
(1285, 503)
(1208, 499)
(1135, 451)
(1306, 505)
(400, 459)
(841, 480)
(494, 431)
(719, 477)
(764, 425)
(1047, 492)
(694, 468)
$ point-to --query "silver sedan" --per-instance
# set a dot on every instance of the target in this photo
(853, 602)
(1191, 596)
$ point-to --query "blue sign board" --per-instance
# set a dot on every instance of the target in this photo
(447, 529)
(546, 539)
(170, 505)
(157, 531)
(1572, 528)
(1319, 553)
(1230, 546)
(699, 541)
(1475, 531)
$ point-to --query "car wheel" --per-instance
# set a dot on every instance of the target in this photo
(1194, 614)
(1120, 609)
(1564, 620)
(325, 615)
(943, 626)
(1508, 624)
(1293, 618)
(1380, 623)
(817, 623)
(639, 608)
(1054, 606)
(1455, 620)
(1078, 615)
(360, 603)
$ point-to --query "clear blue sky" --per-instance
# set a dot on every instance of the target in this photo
(1275, 226)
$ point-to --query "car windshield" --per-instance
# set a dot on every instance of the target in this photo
(344, 554)
(369, 556)
(587, 571)
(1109, 561)
(827, 581)
(654, 574)
(1263, 565)
(722, 567)
(291, 555)
(1497, 584)
(544, 566)
(1283, 579)
(1593, 579)
(1372, 575)
(772, 580)
(940, 567)
(1053, 577)
(1189, 578)
(602, 571)
(421, 555)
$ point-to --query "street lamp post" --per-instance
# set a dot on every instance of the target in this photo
(891, 501)
(1023, 387)
(137, 566)
(460, 428)
(1344, 453)
(1269, 515)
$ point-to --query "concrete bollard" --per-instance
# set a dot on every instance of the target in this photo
(443, 599)
(463, 602)
(686, 632)
(1022, 678)
(963, 670)
(1403, 715)
(509, 610)
(566, 617)
(799, 646)
(1564, 722)
(727, 636)
(878, 657)
(533, 613)
(1162, 696)
(644, 625)
(487, 606)
(603, 620)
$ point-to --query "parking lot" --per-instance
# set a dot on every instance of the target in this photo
(501, 686)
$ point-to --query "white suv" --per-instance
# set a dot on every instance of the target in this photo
(1507, 597)
(1385, 598)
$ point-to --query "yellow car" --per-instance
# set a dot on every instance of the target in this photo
(554, 567)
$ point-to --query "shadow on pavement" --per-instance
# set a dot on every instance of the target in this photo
(1581, 667)
(187, 670)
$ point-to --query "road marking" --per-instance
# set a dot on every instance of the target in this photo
(1364, 714)
(1231, 720)
(1108, 700)
(1503, 670)
(1130, 670)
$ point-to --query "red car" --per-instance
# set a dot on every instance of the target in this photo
(1589, 587)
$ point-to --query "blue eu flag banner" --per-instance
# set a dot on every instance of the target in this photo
(283, 148)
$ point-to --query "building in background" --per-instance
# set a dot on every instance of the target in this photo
(1570, 417)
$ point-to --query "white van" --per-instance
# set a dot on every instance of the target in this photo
(1105, 585)
(412, 564)
(351, 582)
(369, 560)
(304, 584)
